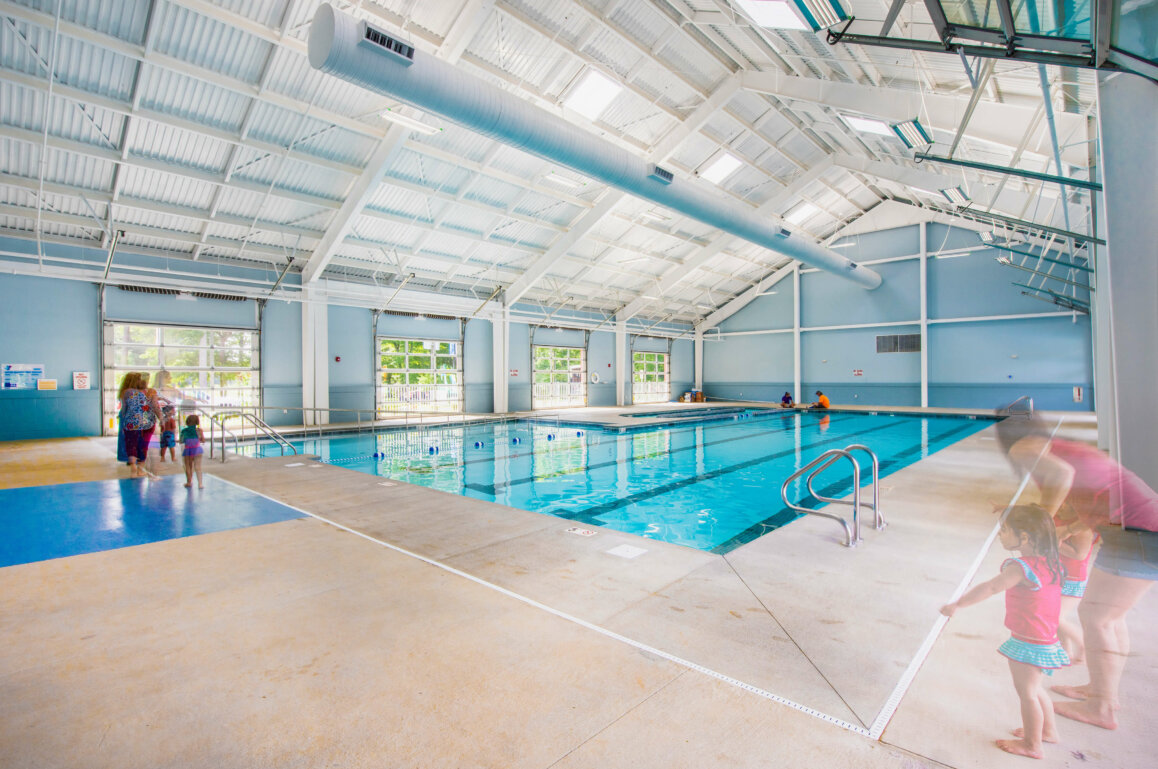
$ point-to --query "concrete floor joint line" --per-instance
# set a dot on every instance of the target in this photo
(584, 623)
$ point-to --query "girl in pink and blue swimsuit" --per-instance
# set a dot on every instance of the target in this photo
(1032, 584)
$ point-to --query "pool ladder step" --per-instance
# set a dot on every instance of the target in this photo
(822, 463)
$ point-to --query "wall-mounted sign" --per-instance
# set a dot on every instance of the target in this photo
(858, 372)
(20, 376)
(514, 372)
(45, 384)
(80, 380)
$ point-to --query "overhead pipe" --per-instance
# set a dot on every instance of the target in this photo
(375, 59)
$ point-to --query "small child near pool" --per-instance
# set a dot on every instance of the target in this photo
(191, 437)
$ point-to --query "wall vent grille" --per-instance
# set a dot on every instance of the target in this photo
(899, 343)
(662, 174)
(378, 39)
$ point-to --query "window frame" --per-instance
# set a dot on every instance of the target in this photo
(571, 400)
(408, 399)
(207, 369)
(650, 386)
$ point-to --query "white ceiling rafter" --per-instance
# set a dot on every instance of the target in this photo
(197, 156)
(468, 22)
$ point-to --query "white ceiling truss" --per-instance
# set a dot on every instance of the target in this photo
(199, 130)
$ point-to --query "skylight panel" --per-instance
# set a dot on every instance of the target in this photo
(800, 213)
(720, 168)
(774, 14)
(867, 125)
(592, 95)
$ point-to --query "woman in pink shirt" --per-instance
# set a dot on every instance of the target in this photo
(1103, 496)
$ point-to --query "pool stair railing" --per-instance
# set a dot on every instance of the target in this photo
(822, 463)
(1025, 410)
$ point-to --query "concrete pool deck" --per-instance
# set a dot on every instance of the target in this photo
(298, 643)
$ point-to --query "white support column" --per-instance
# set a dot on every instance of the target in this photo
(622, 376)
(924, 315)
(796, 334)
(1104, 404)
(698, 362)
(1127, 114)
(500, 346)
(315, 359)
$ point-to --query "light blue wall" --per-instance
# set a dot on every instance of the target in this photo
(830, 359)
(478, 367)
(829, 300)
(281, 362)
(751, 367)
(683, 366)
(166, 308)
(601, 360)
(52, 322)
(974, 284)
(519, 358)
(969, 363)
(350, 337)
(765, 312)
(973, 365)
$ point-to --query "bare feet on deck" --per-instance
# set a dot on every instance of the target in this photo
(1019, 748)
(1077, 693)
(1094, 712)
(1019, 733)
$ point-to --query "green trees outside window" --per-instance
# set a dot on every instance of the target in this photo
(419, 375)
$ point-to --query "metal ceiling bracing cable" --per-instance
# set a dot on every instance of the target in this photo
(44, 145)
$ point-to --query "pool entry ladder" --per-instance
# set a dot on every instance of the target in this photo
(819, 465)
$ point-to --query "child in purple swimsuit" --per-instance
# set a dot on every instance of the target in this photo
(191, 437)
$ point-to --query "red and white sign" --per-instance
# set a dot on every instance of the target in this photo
(514, 372)
(858, 372)
(582, 532)
(80, 380)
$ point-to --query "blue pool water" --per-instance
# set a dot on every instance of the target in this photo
(711, 485)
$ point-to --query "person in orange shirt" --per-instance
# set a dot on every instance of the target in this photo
(821, 401)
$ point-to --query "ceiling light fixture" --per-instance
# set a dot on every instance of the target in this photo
(594, 92)
(821, 14)
(912, 133)
(956, 196)
(774, 14)
(800, 213)
(408, 122)
(867, 125)
(564, 181)
(719, 169)
(986, 237)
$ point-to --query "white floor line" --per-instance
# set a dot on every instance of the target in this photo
(576, 620)
(894, 700)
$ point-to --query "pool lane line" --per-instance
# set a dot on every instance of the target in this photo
(493, 488)
(759, 528)
(588, 515)
(615, 436)
(880, 723)
(573, 619)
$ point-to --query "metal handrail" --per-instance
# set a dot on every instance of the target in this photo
(260, 425)
(878, 517)
(822, 463)
(851, 534)
(1020, 412)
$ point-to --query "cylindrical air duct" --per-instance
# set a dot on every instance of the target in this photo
(375, 59)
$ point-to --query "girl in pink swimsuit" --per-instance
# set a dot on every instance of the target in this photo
(1032, 584)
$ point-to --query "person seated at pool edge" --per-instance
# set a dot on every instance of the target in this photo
(786, 401)
(821, 401)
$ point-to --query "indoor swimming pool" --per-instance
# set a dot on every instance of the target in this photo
(712, 485)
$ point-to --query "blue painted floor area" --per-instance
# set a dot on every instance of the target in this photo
(44, 522)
